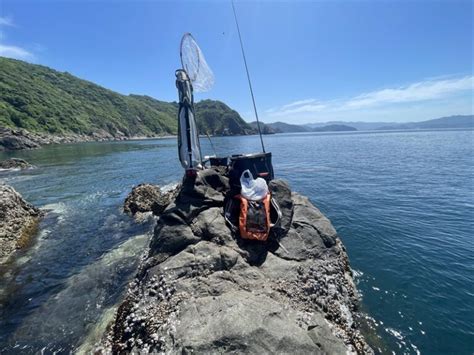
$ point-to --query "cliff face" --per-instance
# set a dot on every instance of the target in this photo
(202, 289)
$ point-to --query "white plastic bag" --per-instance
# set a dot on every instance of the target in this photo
(252, 189)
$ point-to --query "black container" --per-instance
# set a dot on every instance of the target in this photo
(219, 161)
(259, 164)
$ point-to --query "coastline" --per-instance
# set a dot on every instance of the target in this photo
(12, 139)
(18, 139)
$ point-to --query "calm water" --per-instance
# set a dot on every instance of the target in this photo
(402, 202)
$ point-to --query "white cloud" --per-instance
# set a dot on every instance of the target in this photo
(295, 108)
(376, 101)
(421, 91)
(6, 21)
(14, 52)
(298, 103)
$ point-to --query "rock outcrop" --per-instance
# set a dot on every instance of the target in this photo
(15, 163)
(16, 139)
(146, 198)
(18, 221)
(202, 289)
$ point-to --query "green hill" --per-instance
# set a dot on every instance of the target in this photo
(215, 117)
(43, 100)
(265, 128)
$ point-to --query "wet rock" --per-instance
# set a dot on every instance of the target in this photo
(15, 163)
(148, 198)
(18, 221)
(202, 289)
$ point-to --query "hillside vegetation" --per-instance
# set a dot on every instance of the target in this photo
(40, 99)
(215, 117)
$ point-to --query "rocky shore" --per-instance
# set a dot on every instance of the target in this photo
(18, 221)
(16, 139)
(202, 289)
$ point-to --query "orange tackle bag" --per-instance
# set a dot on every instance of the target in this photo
(254, 218)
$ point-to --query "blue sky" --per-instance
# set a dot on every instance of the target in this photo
(310, 61)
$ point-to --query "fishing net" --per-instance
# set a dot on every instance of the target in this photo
(195, 65)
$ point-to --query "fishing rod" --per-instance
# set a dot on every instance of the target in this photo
(212, 145)
(248, 76)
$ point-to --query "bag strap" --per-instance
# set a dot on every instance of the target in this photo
(276, 206)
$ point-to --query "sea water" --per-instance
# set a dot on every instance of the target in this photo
(402, 203)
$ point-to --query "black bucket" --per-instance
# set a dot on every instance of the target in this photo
(259, 164)
(219, 161)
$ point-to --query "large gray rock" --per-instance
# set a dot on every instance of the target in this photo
(15, 163)
(9, 140)
(18, 221)
(204, 290)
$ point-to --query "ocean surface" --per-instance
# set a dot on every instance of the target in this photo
(402, 202)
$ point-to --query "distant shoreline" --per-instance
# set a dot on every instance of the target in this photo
(23, 139)
(20, 139)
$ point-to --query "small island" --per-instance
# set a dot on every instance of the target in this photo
(335, 128)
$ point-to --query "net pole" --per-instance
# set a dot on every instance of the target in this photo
(248, 76)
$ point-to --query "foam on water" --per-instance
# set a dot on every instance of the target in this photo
(60, 209)
(77, 308)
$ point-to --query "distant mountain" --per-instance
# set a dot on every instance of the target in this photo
(361, 126)
(42, 100)
(459, 121)
(266, 129)
(335, 128)
(282, 127)
(466, 121)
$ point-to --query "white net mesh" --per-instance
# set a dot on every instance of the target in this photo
(195, 65)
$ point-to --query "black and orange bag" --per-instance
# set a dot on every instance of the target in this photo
(252, 219)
